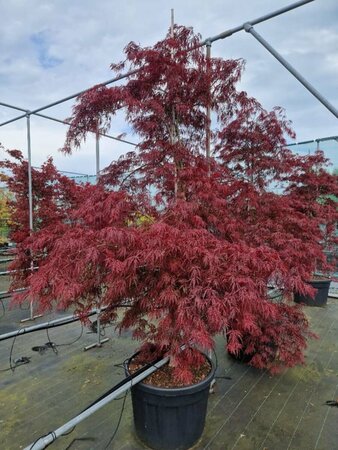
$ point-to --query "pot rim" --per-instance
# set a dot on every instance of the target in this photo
(172, 391)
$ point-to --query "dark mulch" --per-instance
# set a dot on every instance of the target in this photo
(164, 378)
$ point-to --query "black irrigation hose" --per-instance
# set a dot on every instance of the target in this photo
(10, 355)
(124, 397)
(118, 422)
(114, 388)
(123, 382)
(67, 343)
(3, 309)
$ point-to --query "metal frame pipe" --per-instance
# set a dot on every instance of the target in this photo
(30, 192)
(45, 325)
(44, 441)
(9, 272)
(8, 294)
(261, 19)
(97, 155)
(250, 29)
(329, 138)
(208, 109)
(41, 326)
(64, 122)
(70, 97)
(211, 39)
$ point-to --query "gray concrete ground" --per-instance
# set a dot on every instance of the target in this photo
(251, 410)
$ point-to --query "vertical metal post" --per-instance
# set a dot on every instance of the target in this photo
(30, 204)
(97, 155)
(208, 112)
(98, 302)
(30, 193)
(207, 147)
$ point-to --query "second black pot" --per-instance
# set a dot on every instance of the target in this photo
(322, 286)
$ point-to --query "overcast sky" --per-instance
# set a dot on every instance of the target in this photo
(50, 49)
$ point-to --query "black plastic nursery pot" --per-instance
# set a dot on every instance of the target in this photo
(322, 286)
(170, 418)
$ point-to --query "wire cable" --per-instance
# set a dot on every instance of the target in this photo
(3, 309)
(11, 353)
(119, 421)
(68, 343)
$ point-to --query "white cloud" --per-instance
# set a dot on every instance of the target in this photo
(86, 36)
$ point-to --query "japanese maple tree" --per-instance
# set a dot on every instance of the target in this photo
(188, 241)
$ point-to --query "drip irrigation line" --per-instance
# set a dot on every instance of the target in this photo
(67, 343)
(119, 421)
(127, 383)
(53, 323)
(3, 309)
(125, 380)
(43, 326)
(11, 367)
(11, 354)
(8, 294)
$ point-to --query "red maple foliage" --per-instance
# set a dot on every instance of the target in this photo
(53, 197)
(190, 243)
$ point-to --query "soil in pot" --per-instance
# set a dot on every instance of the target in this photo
(169, 415)
(322, 286)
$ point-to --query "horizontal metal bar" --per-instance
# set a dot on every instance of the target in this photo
(42, 326)
(9, 272)
(70, 97)
(2, 261)
(51, 324)
(8, 294)
(13, 107)
(67, 171)
(261, 19)
(65, 122)
(132, 72)
(250, 29)
(329, 138)
(313, 141)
